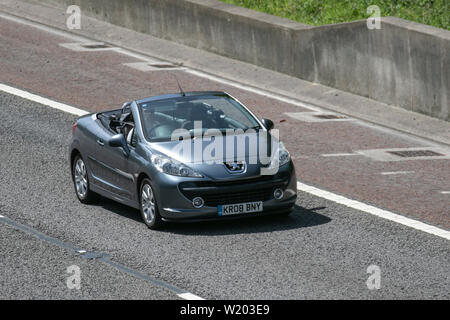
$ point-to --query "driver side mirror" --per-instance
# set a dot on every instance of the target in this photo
(119, 140)
(268, 124)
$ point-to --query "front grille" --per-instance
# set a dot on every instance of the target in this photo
(216, 193)
(213, 200)
(228, 183)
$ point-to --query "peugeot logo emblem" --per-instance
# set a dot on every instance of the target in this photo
(236, 166)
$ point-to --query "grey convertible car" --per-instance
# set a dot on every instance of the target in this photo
(183, 156)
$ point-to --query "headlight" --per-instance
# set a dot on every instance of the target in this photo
(284, 156)
(169, 166)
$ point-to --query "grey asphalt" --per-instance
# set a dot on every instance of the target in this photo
(321, 252)
(98, 80)
(34, 269)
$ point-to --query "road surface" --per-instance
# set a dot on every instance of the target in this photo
(322, 251)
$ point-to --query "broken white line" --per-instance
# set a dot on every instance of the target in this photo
(395, 172)
(42, 100)
(249, 88)
(189, 296)
(340, 154)
(300, 186)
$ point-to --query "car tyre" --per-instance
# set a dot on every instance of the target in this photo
(81, 182)
(148, 206)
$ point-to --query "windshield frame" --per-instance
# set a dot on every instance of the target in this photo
(188, 97)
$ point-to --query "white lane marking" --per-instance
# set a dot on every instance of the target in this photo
(387, 173)
(42, 100)
(74, 37)
(155, 66)
(43, 27)
(318, 116)
(81, 251)
(300, 186)
(252, 89)
(1, 216)
(445, 192)
(339, 154)
(147, 57)
(374, 211)
(189, 296)
(139, 56)
(135, 55)
(81, 46)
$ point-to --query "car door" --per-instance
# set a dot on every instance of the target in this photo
(97, 136)
(113, 165)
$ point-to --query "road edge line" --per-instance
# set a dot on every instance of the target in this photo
(41, 100)
(300, 186)
(381, 213)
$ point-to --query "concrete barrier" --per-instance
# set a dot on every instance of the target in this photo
(404, 63)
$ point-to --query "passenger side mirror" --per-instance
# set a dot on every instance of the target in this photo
(119, 140)
(268, 124)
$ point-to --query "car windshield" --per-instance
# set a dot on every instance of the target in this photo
(193, 114)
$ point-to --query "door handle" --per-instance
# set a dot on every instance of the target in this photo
(100, 142)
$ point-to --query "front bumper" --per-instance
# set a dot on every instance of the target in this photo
(213, 214)
(174, 197)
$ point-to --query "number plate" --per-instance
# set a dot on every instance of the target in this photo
(248, 207)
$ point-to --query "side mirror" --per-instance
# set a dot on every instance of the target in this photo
(119, 141)
(268, 124)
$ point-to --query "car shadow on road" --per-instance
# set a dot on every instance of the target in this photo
(299, 218)
(120, 209)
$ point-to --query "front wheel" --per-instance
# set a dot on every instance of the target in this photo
(148, 206)
(81, 182)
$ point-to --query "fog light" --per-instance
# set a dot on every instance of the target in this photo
(278, 194)
(198, 202)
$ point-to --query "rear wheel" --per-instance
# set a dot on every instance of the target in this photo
(81, 182)
(148, 206)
